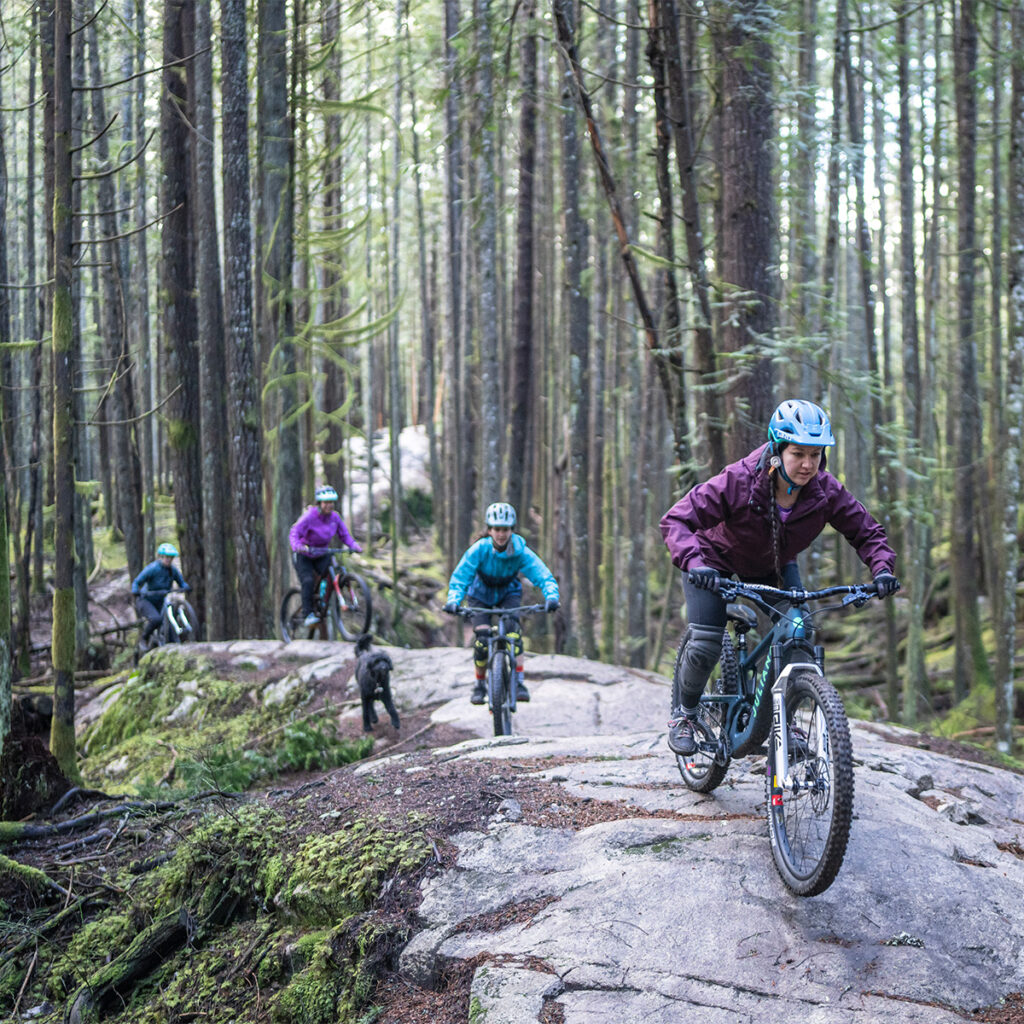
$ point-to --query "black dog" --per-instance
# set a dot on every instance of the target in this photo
(373, 673)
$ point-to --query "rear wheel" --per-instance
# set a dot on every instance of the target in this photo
(499, 679)
(292, 619)
(809, 812)
(351, 617)
(705, 769)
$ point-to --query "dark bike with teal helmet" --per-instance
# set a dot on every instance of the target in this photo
(777, 691)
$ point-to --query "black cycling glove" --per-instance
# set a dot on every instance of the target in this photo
(703, 578)
(886, 584)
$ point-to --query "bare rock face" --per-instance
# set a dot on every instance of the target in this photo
(676, 910)
(657, 918)
(670, 909)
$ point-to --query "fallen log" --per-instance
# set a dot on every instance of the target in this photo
(113, 981)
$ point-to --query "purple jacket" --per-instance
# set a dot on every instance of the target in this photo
(724, 523)
(315, 530)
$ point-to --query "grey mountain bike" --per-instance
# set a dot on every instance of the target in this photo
(777, 691)
(501, 661)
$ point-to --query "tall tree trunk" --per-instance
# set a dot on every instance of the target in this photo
(666, 49)
(970, 663)
(274, 247)
(253, 577)
(523, 369)
(395, 418)
(486, 235)
(139, 320)
(6, 459)
(121, 405)
(33, 328)
(748, 256)
(62, 726)
(1014, 414)
(221, 609)
(178, 283)
(575, 242)
(914, 678)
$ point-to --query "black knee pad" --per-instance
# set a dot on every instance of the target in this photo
(703, 647)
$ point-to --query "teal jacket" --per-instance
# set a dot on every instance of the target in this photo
(488, 576)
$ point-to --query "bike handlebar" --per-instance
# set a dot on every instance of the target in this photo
(316, 552)
(523, 609)
(758, 593)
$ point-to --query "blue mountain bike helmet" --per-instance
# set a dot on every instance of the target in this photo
(797, 421)
(167, 550)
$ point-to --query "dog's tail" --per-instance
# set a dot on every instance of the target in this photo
(363, 643)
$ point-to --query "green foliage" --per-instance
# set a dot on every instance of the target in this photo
(420, 506)
(86, 950)
(334, 876)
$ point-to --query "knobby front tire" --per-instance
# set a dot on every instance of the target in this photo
(499, 682)
(809, 820)
(704, 770)
(351, 618)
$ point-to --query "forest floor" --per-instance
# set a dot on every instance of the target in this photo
(453, 800)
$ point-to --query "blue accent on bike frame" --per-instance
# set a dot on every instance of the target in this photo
(788, 632)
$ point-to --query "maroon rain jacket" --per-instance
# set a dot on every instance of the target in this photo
(725, 523)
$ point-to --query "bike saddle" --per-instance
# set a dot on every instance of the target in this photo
(744, 617)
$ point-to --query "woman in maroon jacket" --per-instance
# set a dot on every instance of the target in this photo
(752, 520)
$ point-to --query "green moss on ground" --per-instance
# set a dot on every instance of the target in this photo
(175, 726)
(293, 914)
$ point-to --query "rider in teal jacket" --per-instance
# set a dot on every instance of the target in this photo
(488, 575)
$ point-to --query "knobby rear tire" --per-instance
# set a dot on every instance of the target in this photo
(702, 772)
(499, 682)
(809, 823)
(291, 620)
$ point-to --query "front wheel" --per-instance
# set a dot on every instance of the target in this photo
(351, 615)
(499, 682)
(175, 625)
(705, 769)
(809, 812)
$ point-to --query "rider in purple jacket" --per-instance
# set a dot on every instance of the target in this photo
(753, 519)
(311, 532)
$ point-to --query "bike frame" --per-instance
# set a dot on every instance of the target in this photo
(498, 642)
(334, 575)
(769, 666)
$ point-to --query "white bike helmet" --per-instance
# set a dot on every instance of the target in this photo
(326, 494)
(501, 513)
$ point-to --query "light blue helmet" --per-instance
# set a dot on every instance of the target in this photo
(797, 421)
(168, 550)
(326, 493)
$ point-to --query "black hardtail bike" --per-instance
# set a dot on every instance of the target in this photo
(341, 603)
(501, 661)
(777, 691)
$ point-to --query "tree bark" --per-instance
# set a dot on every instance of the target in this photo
(62, 727)
(180, 328)
(1014, 412)
(748, 252)
(221, 608)
(523, 370)
(274, 246)
(970, 663)
(253, 577)
(121, 405)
